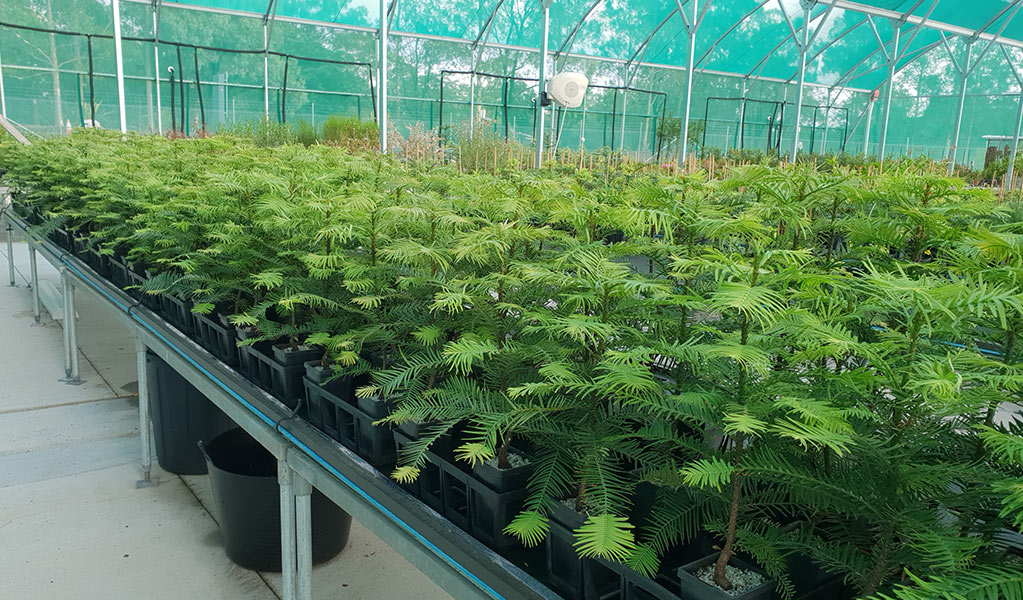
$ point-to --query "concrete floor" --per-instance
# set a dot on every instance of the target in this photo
(72, 523)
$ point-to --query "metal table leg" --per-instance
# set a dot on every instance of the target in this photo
(70, 332)
(144, 432)
(304, 535)
(288, 549)
(36, 312)
(10, 254)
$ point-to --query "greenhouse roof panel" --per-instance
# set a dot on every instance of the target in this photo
(743, 37)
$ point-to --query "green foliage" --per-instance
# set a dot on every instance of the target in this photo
(802, 363)
(351, 133)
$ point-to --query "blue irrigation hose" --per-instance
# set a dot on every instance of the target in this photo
(298, 443)
(953, 344)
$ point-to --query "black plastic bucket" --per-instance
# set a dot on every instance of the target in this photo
(181, 417)
(243, 475)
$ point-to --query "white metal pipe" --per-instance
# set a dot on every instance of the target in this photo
(143, 376)
(582, 129)
(621, 142)
(266, 75)
(3, 96)
(156, 72)
(71, 322)
(33, 268)
(65, 285)
(824, 141)
(690, 60)
(964, 75)
(472, 100)
(304, 537)
(384, 34)
(1015, 143)
(803, 48)
(119, 61)
(866, 133)
(10, 254)
(742, 114)
(545, 29)
(70, 331)
(888, 95)
(288, 549)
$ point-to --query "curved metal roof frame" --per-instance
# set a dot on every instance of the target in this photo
(907, 17)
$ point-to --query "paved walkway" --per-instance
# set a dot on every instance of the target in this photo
(72, 523)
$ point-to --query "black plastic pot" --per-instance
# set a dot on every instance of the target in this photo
(466, 501)
(692, 588)
(216, 338)
(569, 574)
(343, 387)
(287, 357)
(351, 425)
(119, 272)
(137, 278)
(281, 379)
(177, 312)
(182, 416)
(80, 246)
(243, 475)
(503, 480)
(98, 262)
(62, 238)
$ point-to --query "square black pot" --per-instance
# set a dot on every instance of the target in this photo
(118, 272)
(350, 425)
(216, 339)
(137, 279)
(287, 357)
(98, 262)
(569, 574)
(503, 480)
(177, 312)
(467, 502)
(342, 387)
(282, 380)
(692, 588)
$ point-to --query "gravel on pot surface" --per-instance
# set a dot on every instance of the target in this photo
(516, 460)
(742, 579)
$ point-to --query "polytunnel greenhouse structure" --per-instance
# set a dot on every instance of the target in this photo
(789, 75)
(511, 299)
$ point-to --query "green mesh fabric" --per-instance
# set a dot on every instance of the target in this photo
(743, 47)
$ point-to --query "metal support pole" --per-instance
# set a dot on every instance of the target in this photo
(1015, 143)
(964, 74)
(621, 143)
(742, 117)
(472, 100)
(3, 96)
(266, 73)
(144, 439)
(304, 536)
(866, 134)
(892, 57)
(156, 71)
(70, 332)
(804, 46)
(10, 255)
(36, 313)
(119, 62)
(382, 96)
(827, 115)
(288, 546)
(690, 65)
(545, 29)
(65, 284)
